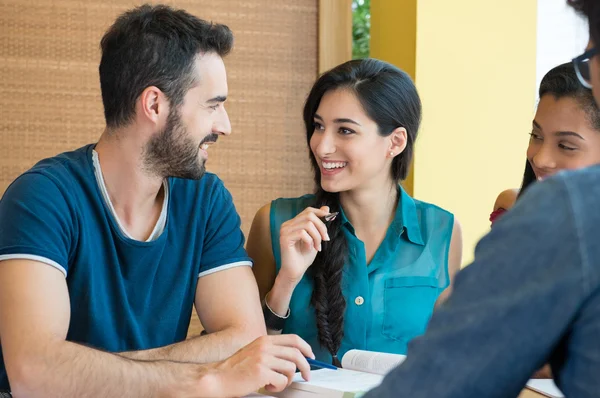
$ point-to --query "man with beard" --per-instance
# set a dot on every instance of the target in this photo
(105, 249)
(532, 295)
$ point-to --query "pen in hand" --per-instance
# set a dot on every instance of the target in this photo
(330, 217)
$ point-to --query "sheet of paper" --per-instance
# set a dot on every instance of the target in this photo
(546, 387)
(340, 380)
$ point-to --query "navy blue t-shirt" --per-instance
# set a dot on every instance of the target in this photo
(125, 294)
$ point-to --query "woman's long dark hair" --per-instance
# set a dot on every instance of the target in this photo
(389, 97)
(562, 82)
(528, 178)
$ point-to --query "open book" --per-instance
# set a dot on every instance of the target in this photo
(362, 371)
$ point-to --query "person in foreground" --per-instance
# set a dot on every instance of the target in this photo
(368, 278)
(565, 134)
(104, 250)
(531, 296)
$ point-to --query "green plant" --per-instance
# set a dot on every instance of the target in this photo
(361, 28)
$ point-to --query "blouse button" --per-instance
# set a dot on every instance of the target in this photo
(359, 300)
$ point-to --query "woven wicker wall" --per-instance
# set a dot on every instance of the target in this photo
(50, 94)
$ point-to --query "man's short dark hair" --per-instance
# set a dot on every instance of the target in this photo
(154, 46)
(591, 10)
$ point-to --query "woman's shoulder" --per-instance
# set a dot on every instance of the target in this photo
(431, 208)
(290, 207)
(434, 222)
(506, 199)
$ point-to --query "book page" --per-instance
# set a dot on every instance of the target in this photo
(342, 380)
(545, 387)
(370, 361)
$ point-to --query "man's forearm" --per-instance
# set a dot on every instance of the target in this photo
(212, 347)
(66, 369)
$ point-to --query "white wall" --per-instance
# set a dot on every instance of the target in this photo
(561, 35)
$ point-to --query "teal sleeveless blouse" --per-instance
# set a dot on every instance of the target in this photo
(390, 300)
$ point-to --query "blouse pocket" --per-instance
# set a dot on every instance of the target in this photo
(408, 305)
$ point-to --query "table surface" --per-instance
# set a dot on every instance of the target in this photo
(526, 393)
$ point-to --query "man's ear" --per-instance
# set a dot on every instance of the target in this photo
(152, 105)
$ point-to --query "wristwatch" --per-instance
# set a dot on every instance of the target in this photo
(272, 320)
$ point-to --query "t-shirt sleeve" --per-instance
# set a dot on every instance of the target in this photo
(36, 222)
(224, 239)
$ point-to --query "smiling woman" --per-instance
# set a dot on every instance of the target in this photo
(565, 132)
(370, 277)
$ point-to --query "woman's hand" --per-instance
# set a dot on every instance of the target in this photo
(300, 240)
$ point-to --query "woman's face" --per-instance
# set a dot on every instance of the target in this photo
(562, 137)
(346, 143)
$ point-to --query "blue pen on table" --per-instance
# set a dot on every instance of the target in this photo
(319, 364)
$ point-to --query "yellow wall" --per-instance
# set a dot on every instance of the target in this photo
(394, 33)
(475, 71)
(394, 39)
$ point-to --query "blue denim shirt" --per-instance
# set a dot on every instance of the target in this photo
(532, 296)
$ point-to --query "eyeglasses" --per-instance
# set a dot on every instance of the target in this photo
(582, 67)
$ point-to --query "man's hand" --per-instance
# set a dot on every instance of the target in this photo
(269, 361)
